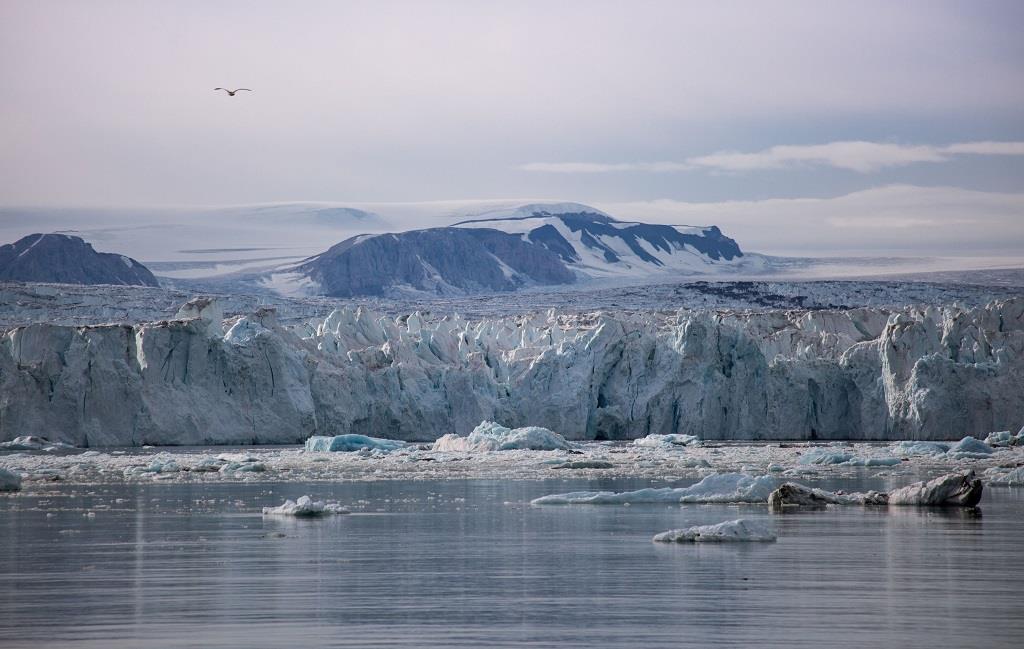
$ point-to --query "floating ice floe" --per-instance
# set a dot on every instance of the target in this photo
(351, 442)
(828, 456)
(489, 436)
(919, 448)
(305, 507)
(162, 463)
(243, 467)
(1005, 438)
(9, 481)
(715, 488)
(585, 464)
(739, 530)
(661, 441)
(961, 489)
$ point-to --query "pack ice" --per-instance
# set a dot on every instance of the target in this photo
(937, 373)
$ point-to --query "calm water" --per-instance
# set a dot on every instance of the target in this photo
(469, 564)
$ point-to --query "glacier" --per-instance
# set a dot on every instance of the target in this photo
(935, 373)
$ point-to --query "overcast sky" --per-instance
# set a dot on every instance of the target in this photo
(855, 115)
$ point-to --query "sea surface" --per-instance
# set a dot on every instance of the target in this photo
(472, 564)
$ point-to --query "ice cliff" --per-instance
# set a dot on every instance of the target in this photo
(936, 373)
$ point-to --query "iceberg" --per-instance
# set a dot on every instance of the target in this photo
(9, 481)
(970, 447)
(715, 488)
(350, 443)
(1004, 438)
(32, 443)
(961, 489)
(489, 436)
(739, 530)
(305, 507)
(1011, 478)
(661, 441)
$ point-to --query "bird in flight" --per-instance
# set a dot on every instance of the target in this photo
(231, 93)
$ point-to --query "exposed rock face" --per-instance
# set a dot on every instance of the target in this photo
(939, 373)
(64, 259)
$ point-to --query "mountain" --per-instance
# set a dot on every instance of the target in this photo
(64, 259)
(505, 250)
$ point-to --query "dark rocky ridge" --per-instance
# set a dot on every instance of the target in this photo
(65, 259)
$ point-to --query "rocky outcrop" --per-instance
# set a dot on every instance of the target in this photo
(938, 373)
(64, 259)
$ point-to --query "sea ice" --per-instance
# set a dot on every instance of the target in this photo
(305, 507)
(715, 488)
(740, 529)
(1011, 478)
(489, 436)
(352, 442)
(9, 481)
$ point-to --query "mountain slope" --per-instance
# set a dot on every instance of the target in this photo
(532, 245)
(438, 260)
(64, 259)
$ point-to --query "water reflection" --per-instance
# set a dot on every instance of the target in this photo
(470, 563)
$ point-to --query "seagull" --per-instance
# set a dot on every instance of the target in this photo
(231, 93)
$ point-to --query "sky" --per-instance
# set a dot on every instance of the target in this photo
(825, 127)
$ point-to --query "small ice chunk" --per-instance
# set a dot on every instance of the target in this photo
(663, 441)
(489, 436)
(739, 530)
(305, 507)
(9, 481)
(970, 447)
(715, 488)
(351, 442)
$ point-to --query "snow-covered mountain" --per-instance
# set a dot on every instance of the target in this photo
(594, 244)
(509, 249)
(64, 259)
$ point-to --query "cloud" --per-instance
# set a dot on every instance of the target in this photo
(895, 218)
(862, 157)
(599, 167)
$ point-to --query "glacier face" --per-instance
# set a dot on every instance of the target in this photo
(936, 373)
